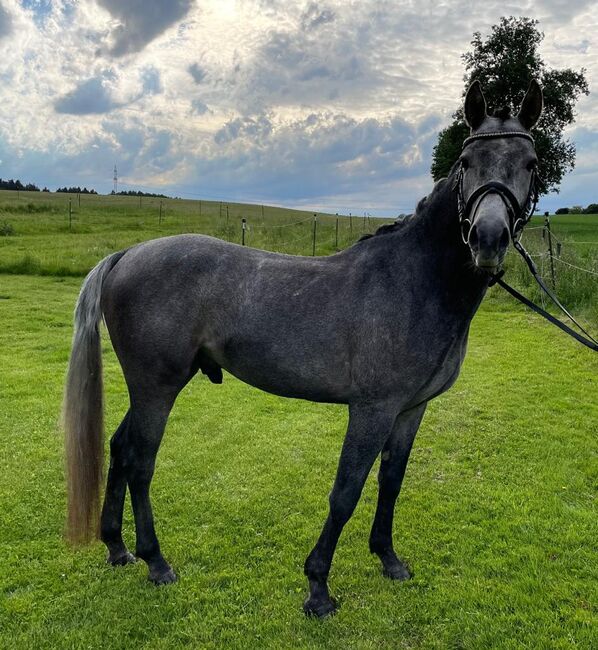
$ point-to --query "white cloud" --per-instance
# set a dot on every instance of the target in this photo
(315, 103)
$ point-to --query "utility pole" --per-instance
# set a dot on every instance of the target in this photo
(115, 180)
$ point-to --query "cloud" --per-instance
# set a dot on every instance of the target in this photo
(141, 21)
(199, 107)
(313, 17)
(151, 83)
(314, 103)
(5, 22)
(89, 97)
(197, 72)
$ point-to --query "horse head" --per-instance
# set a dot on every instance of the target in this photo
(497, 179)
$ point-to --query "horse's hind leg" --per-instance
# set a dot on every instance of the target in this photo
(147, 420)
(392, 469)
(369, 427)
(114, 499)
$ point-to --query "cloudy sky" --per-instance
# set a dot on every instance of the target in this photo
(330, 105)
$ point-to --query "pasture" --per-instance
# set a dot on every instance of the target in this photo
(497, 516)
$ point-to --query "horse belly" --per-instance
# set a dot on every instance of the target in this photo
(280, 368)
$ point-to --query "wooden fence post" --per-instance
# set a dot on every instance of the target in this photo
(243, 228)
(547, 226)
(313, 247)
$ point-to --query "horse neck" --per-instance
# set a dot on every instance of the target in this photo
(444, 259)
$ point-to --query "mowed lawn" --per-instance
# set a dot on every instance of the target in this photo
(497, 517)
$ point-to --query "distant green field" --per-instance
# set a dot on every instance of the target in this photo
(45, 243)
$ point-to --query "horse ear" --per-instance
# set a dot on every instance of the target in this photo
(531, 106)
(475, 106)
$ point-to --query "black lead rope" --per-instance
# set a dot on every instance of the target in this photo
(588, 340)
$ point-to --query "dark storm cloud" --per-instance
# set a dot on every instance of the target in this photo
(141, 21)
(89, 97)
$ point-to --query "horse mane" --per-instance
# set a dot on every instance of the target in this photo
(401, 222)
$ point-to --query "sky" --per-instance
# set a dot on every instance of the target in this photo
(332, 105)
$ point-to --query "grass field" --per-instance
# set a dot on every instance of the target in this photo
(497, 517)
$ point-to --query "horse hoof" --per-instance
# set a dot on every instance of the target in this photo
(121, 559)
(163, 578)
(320, 609)
(397, 571)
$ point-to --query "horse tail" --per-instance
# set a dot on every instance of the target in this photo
(83, 410)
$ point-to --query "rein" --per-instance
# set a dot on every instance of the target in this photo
(519, 216)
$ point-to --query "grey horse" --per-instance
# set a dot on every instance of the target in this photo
(381, 326)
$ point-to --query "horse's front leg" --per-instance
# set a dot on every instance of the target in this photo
(392, 469)
(369, 428)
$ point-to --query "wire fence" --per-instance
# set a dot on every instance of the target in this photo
(568, 263)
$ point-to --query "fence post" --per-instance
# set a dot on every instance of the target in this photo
(336, 233)
(350, 223)
(364, 222)
(243, 228)
(547, 226)
(262, 210)
(70, 215)
(79, 198)
(313, 247)
(160, 217)
(200, 207)
(140, 200)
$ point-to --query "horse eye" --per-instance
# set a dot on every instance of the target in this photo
(464, 163)
(531, 165)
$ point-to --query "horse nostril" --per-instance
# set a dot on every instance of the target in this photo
(473, 239)
(505, 238)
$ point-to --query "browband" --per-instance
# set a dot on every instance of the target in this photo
(498, 134)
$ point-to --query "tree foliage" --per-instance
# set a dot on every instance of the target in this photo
(17, 185)
(504, 63)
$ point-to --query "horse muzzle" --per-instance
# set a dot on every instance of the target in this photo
(489, 235)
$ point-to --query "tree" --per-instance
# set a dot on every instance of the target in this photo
(505, 63)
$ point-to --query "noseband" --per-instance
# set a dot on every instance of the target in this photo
(519, 215)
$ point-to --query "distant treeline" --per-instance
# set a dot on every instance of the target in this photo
(578, 209)
(17, 185)
(138, 193)
(76, 190)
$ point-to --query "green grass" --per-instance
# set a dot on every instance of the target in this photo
(44, 243)
(576, 255)
(497, 517)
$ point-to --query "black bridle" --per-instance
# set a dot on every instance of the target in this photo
(519, 216)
